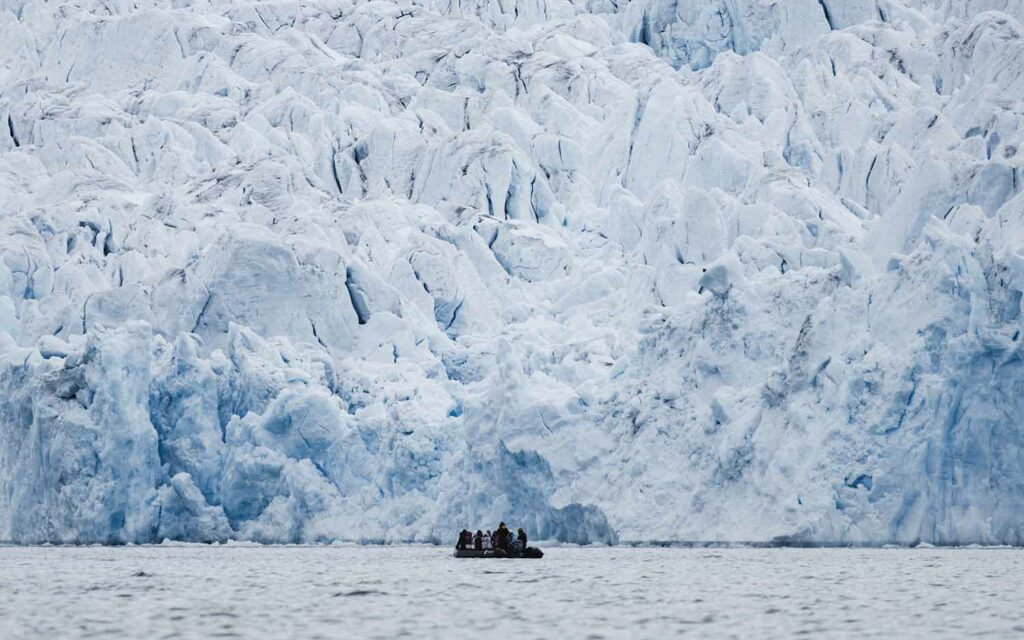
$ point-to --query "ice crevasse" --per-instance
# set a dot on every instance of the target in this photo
(647, 270)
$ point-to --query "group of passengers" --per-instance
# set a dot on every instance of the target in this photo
(501, 538)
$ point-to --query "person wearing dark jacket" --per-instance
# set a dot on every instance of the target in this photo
(478, 540)
(465, 539)
(504, 536)
(522, 538)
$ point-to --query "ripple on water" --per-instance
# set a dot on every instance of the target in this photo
(361, 592)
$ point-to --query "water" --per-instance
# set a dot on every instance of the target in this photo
(380, 592)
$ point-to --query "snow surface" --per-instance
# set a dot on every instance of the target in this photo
(635, 270)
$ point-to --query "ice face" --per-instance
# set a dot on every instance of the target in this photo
(377, 271)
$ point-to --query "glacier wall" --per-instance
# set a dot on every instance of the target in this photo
(616, 270)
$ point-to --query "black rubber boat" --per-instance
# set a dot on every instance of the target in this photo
(529, 552)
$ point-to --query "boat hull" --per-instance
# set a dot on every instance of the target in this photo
(530, 552)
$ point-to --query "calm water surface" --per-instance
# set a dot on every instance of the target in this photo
(353, 592)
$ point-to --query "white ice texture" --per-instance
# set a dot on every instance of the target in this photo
(659, 270)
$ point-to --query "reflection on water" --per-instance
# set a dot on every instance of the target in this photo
(381, 592)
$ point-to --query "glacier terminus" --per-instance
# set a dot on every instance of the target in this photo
(615, 270)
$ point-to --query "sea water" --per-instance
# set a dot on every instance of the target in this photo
(388, 592)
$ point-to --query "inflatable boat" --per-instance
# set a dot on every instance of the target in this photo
(529, 552)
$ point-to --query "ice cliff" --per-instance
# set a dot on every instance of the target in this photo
(744, 270)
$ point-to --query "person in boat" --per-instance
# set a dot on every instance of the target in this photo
(488, 537)
(504, 536)
(478, 540)
(521, 537)
(465, 539)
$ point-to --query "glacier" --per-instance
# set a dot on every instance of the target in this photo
(616, 270)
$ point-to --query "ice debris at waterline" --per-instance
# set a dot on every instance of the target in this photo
(648, 270)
